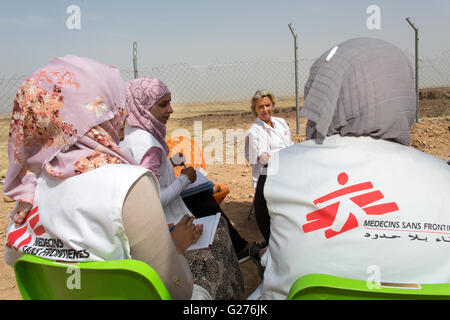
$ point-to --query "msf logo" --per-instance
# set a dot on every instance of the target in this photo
(339, 216)
(25, 232)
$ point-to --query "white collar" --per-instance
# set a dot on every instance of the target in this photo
(265, 125)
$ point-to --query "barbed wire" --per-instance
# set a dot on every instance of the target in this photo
(218, 83)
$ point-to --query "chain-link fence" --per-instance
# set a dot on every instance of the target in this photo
(223, 87)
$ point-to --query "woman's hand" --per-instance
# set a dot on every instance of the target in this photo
(198, 230)
(264, 158)
(21, 212)
(185, 233)
(190, 173)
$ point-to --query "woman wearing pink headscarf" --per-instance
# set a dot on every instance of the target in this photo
(79, 195)
(148, 104)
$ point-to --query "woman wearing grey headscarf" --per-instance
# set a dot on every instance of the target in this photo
(355, 197)
(362, 87)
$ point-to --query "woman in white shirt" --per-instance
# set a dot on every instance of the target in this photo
(267, 135)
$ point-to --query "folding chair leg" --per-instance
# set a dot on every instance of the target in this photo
(251, 209)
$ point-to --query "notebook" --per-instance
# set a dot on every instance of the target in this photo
(200, 184)
(210, 224)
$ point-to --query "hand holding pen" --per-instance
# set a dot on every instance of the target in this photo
(190, 173)
(185, 233)
(178, 159)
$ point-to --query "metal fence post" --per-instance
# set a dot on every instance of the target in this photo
(296, 77)
(416, 67)
(135, 60)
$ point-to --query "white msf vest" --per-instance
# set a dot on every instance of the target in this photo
(358, 208)
(136, 143)
(77, 219)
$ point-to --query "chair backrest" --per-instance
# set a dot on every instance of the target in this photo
(326, 287)
(191, 150)
(220, 192)
(194, 157)
(43, 279)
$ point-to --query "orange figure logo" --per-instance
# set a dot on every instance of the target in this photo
(326, 217)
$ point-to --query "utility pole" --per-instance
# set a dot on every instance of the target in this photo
(296, 76)
(416, 72)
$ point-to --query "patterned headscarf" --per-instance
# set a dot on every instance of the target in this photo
(142, 94)
(68, 118)
(364, 87)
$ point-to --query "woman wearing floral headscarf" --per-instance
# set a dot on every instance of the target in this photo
(148, 103)
(80, 193)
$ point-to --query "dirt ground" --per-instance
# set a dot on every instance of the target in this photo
(431, 135)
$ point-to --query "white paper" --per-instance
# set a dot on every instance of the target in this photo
(209, 231)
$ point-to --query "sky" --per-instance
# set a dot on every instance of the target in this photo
(201, 32)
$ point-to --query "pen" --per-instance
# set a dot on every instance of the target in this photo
(173, 227)
(183, 164)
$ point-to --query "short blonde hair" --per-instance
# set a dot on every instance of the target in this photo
(261, 94)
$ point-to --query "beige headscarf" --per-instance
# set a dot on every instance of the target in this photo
(365, 88)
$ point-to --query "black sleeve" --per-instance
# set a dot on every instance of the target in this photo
(261, 211)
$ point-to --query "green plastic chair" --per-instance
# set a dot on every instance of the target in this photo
(43, 279)
(326, 287)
